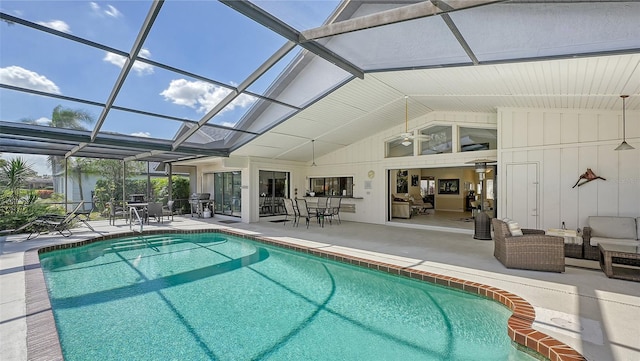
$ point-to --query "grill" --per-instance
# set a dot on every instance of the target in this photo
(199, 202)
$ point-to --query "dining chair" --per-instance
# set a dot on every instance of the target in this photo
(168, 210)
(303, 211)
(319, 211)
(291, 210)
(264, 207)
(154, 209)
(116, 212)
(334, 208)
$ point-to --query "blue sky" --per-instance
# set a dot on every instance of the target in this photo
(202, 37)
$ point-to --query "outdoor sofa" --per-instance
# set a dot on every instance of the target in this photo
(609, 229)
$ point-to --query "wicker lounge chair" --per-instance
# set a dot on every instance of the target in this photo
(532, 251)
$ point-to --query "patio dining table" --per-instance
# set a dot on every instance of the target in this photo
(139, 206)
(318, 212)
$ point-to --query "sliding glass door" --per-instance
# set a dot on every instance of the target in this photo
(227, 193)
(274, 187)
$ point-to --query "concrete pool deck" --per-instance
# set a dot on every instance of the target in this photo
(597, 316)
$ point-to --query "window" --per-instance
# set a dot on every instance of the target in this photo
(489, 188)
(427, 187)
(437, 140)
(333, 186)
(396, 149)
(474, 139)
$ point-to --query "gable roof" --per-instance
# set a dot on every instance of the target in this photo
(346, 78)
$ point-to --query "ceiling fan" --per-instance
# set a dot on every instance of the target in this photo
(407, 137)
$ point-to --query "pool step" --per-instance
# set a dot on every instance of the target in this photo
(139, 243)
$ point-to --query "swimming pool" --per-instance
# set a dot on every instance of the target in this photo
(212, 296)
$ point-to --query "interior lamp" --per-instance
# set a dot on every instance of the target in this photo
(406, 142)
(624, 145)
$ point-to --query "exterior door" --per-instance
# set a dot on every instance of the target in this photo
(227, 192)
(274, 187)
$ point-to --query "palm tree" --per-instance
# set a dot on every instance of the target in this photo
(68, 118)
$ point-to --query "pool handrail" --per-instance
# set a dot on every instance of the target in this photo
(132, 211)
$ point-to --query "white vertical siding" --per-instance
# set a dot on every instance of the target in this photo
(628, 181)
(569, 128)
(550, 187)
(566, 142)
(587, 193)
(551, 125)
(569, 173)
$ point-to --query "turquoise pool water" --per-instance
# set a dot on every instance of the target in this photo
(218, 297)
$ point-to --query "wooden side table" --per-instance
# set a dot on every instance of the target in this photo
(620, 261)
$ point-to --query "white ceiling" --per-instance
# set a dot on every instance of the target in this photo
(364, 107)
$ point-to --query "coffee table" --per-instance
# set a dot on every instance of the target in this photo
(620, 261)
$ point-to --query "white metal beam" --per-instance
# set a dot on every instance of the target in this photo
(405, 13)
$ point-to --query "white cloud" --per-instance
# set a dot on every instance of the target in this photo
(109, 11)
(43, 121)
(138, 67)
(57, 25)
(113, 12)
(142, 134)
(17, 76)
(144, 53)
(202, 96)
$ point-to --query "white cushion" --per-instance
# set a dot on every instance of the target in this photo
(514, 228)
(613, 227)
(595, 241)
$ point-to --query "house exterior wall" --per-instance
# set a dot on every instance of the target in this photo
(250, 169)
(564, 143)
(369, 154)
(73, 195)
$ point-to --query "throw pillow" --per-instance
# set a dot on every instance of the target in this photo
(515, 229)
